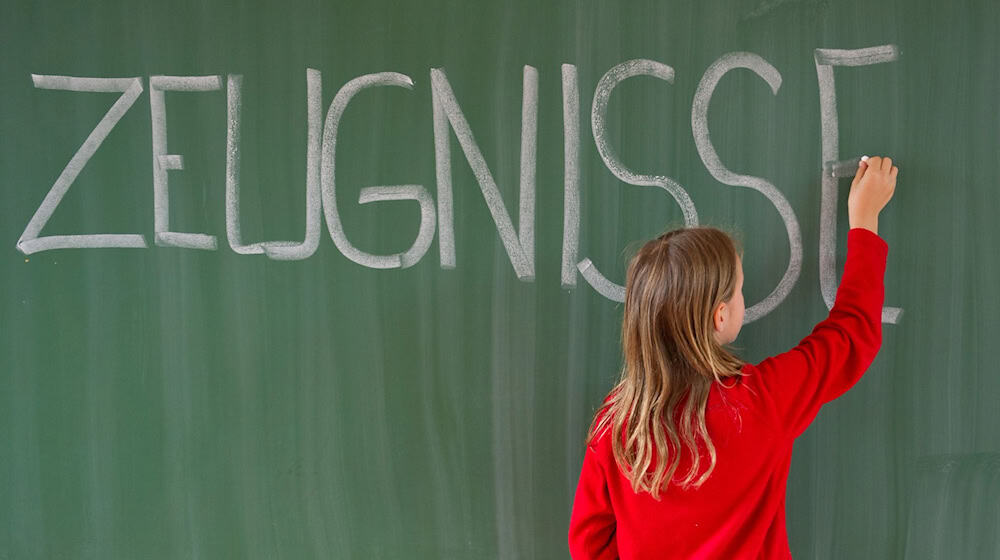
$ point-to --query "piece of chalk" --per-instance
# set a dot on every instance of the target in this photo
(864, 158)
(843, 168)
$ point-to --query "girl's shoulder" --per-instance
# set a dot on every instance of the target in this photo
(602, 422)
(743, 396)
(738, 390)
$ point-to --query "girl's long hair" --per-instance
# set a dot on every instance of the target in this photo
(671, 357)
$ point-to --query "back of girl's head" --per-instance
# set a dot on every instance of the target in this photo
(673, 284)
(671, 356)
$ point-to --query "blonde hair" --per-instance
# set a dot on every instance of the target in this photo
(673, 284)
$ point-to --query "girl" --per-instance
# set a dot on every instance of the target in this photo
(688, 456)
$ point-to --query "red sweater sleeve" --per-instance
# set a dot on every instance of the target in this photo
(831, 360)
(592, 524)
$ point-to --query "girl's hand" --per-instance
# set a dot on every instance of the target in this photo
(871, 190)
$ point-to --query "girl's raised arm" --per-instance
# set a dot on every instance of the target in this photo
(831, 360)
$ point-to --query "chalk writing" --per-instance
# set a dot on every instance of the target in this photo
(438, 215)
(826, 59)
(30, 242)
(699, 126)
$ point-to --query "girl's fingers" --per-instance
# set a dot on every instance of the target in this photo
(894, 172)
(861, 172)
(886, 164)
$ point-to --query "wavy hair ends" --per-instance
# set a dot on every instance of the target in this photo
(656, 411)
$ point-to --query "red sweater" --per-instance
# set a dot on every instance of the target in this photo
(739, 512)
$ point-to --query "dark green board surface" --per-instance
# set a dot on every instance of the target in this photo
(170, 402)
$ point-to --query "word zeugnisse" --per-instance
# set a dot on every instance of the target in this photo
(437, 216)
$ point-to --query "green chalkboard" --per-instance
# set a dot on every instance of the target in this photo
(339, 279)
